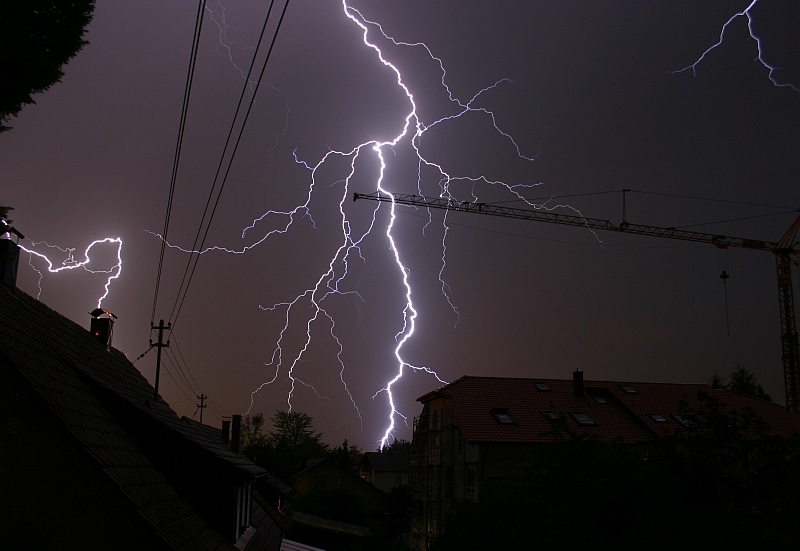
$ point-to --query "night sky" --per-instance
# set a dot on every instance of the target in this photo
(586, 90)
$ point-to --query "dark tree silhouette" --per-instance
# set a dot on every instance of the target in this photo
(38, 38)
(743, 381)
(345, 455)
(293, 442)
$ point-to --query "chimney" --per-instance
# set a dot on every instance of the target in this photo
(9, 261)
(102, 328)
(237, 433)
(577, 382)
(226, 430)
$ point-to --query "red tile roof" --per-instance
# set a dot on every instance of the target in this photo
(624, 415)
(665, 399)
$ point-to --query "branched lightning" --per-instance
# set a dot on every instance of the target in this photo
(308, 309)
(747, 13)
(70, 262)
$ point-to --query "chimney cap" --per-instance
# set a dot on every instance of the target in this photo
(97, 312)
(5, 227)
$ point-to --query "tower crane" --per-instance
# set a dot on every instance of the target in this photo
(784, 250)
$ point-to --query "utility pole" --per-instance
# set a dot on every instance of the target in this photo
(201, 406)
(160, 344)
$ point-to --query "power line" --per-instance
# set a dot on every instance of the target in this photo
(198, 26)
(183, 361)
(191, 264)
(181, 372)
(708, 199)
(739, 219)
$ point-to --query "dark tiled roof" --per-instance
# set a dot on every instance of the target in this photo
(62, 361)
(473, 400)
(665, 399)
(211, 439)
(271, 525)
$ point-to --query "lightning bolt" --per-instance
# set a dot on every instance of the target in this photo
(308, 310)
(70, 262)
(746, 13)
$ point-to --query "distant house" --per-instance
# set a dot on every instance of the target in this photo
(327, 474)
(319, 530)
(479, 432)
(89, 459)
(385, 470)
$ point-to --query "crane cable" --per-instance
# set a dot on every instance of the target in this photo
(722, 259)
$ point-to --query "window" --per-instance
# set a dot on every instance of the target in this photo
(582, 419)
(503, 416)
(627, 389)
(657, 417)
(550, 415)
(683, 420)
(470, 482)
(541, 386)
(598, 396)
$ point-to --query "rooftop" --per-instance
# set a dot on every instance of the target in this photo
(86, 385)
(523, 410)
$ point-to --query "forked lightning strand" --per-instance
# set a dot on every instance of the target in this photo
(411, 131)
(308, 308)
(70, 262)
(747, 13)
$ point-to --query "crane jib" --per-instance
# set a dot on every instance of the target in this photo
(784, 251)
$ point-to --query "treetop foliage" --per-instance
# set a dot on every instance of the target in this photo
(285, 449)
(743, 381)
(295, 431)
(39, 37)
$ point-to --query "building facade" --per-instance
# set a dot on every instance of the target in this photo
(482, 432)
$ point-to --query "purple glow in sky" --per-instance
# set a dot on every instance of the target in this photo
(563, 100)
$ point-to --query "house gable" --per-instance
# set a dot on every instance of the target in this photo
(45, 470)
(163, 467)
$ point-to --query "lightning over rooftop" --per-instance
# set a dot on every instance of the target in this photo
(350, 311)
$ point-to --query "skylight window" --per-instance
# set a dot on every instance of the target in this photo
(550, 415)
(541, 386)
(503, 416)
(582, 419)
(627, 389)
(598, 396)
(657, 417)
(683, 420)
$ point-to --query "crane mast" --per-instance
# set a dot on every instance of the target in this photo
(784, 251)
